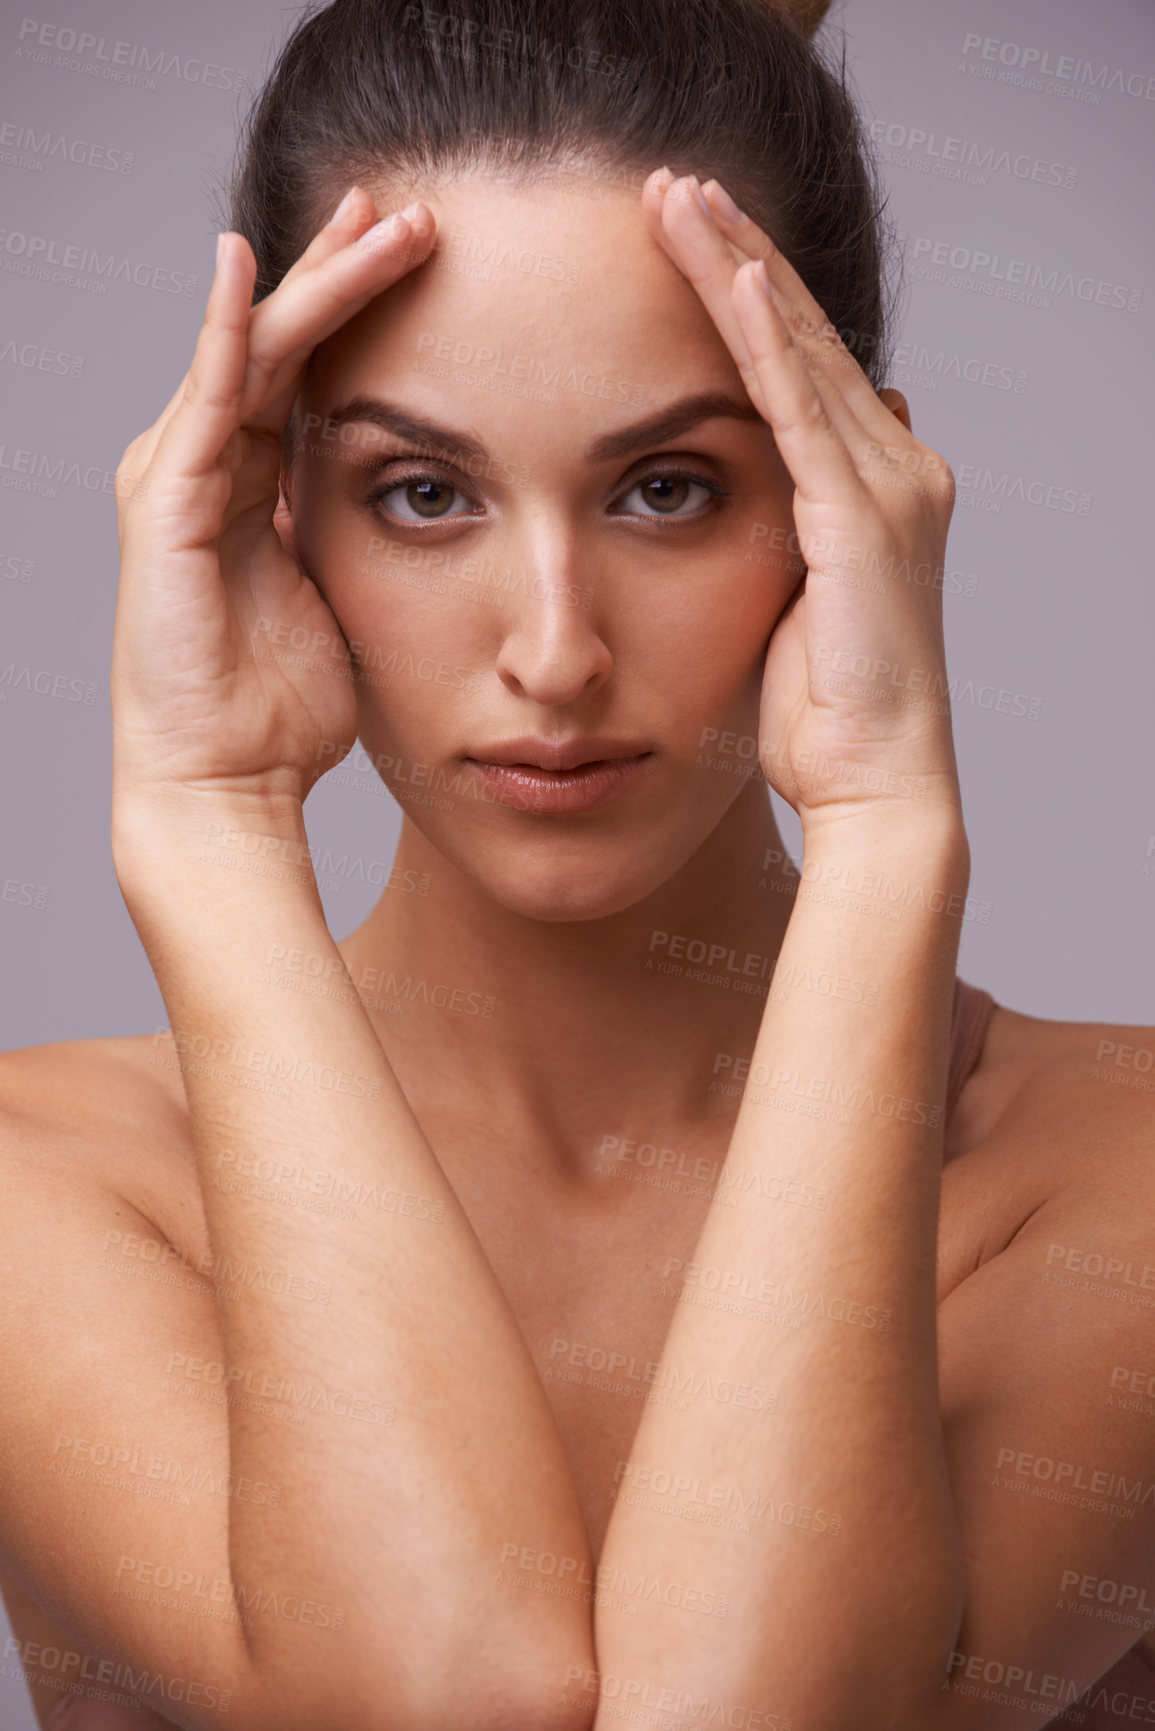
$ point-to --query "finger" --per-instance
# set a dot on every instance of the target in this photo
(692, 239)
(743, 232)
(204, 417)
(811, 445)
(301, 313)
(352, 216)
(287, 326)
(696, 255)
(809, 324)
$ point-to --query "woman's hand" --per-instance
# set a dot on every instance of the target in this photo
(855, 709)
(211, 690)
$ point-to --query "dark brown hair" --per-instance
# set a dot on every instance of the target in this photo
(401, 92)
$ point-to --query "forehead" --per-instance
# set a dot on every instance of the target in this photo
(559, 279)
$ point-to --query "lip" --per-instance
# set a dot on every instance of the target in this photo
(550, 778)
(558, 754)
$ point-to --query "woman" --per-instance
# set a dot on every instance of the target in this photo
(694, 1281)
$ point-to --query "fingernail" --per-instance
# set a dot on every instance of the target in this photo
(383, 233)
(662, 177)
(343, 208)
(763, 279)
(410, 212)
(725, 204)
(700, 196)
(220, 248)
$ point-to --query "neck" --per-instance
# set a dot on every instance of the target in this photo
(569, 1029)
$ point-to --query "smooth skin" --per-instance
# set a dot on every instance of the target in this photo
(514, 1251)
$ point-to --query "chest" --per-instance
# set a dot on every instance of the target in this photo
(593, 1280)
(592, 1266)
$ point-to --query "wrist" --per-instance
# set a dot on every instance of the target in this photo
(158, 834)
(874, 866)
(933, 826)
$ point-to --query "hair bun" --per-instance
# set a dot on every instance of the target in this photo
(806, 14)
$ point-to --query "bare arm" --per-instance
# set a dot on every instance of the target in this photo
(867, 1566)
(386, 1291)
(832, 1570)
(389, 1293)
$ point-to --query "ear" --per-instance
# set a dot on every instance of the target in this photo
(283, 523)
(897, 404)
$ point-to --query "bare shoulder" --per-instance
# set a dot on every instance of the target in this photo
(1091, 1081)
(1047, 1292)
(102, 1076)
(97, 1186)
(1054, 1114)
(109, 1110)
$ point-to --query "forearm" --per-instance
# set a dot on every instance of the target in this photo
(386, 1292)
(845, 1588)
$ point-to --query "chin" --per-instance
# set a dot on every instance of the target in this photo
(552, 880)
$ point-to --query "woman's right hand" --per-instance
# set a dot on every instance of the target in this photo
(202, 697)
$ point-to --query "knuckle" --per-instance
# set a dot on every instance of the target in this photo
(811, 411)
(131, 468)
(200, 395)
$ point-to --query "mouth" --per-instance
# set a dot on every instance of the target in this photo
(552, 781)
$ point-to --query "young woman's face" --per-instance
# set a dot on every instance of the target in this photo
(516, 567)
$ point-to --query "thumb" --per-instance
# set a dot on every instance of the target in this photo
(283, 524)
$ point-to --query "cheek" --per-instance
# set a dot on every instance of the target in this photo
(709, 642)
(392, 600)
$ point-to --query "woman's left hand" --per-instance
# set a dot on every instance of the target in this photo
(855, 710)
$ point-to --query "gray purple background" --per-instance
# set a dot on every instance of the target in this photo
(1029, 402)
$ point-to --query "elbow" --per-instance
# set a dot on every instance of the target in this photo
(532, 1689)
(536, 1689)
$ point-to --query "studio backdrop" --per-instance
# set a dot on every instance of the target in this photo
(1016, 143)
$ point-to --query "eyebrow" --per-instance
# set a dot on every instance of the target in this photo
(677, 417)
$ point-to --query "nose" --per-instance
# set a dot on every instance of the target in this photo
(553, 651)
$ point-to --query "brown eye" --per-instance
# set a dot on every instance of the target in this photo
(428, 497)
(666, 495)
(419, 498)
